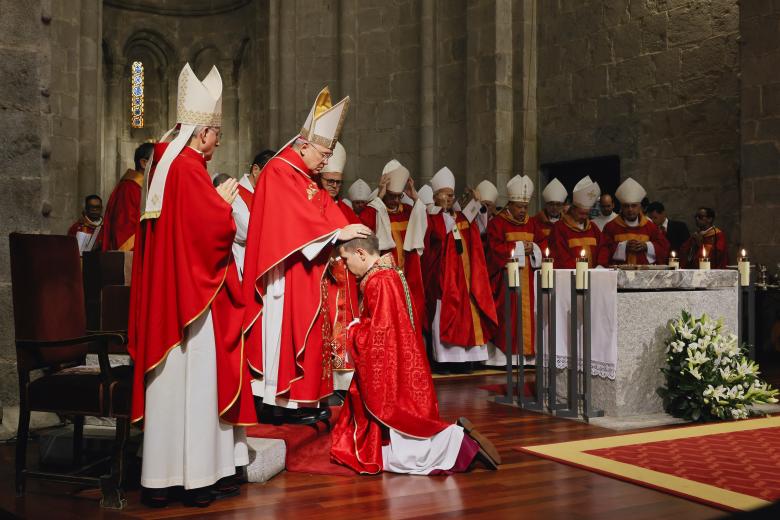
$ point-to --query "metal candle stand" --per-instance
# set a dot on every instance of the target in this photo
(518, 393)
(746, 312)
(578, 398)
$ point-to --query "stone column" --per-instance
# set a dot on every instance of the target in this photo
(347, 75)
(90, 95)
(489, 92)
(427, 90)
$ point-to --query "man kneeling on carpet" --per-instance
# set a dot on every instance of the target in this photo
(390, 418)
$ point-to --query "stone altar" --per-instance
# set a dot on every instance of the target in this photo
(645, 302)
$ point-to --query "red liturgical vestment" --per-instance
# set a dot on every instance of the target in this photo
(617, 231)
(456, 274)
(567, 241)
(714, 244)
(123, 213)
(392, 385)
(502, 234)
(182, 267)
(289, 213)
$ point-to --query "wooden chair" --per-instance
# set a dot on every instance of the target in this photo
(51, 336)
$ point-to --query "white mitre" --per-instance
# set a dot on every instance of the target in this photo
(486, 191)
(520, 189)
(630, 192)
(554, 192)
(337, 161)
(398, 175)
(585, 193)
(199, 103)
(359, 191)
(425, 194)
(325, 120)
(444, 178)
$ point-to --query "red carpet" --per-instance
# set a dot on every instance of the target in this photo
(308, 448)
(746, 462)
(731, 465)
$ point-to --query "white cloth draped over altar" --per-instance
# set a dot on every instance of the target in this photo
(603, 290)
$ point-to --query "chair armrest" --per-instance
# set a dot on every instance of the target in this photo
(103, 337)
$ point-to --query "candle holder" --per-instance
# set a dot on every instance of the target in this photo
(746, 304)
(547, 274)
(704, 263)
(744, 270)
(674, 262)
(581, 272)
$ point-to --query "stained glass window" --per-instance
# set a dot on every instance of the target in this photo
(137, 95)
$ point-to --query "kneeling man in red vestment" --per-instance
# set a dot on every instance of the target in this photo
(390, 419)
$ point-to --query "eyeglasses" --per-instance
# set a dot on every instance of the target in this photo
(332, 182)
(701, 216)
(324, 155)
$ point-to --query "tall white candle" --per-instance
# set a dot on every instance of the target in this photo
(547, 273)
(582, 272)
(513, 270)
(744, 269)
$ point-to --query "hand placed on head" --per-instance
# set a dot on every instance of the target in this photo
(354, 231)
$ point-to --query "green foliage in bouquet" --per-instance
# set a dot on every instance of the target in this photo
(709, 376)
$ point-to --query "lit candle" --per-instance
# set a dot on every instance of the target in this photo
(744, 269)
(704, 261)
(513, 272)
(674, 262)
(582, 272)
(547, 270)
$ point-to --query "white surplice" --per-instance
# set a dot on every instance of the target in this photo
(421, 456)
(241, 217)
(273, 314)
(185, 442)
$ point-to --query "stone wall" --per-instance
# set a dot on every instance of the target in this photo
(655, 82)
(164, 37)
(49, 101)
(760, 130)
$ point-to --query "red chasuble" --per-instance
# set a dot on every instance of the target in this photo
(502, 233)
(289, 211)
(460, 280)
(617, 231)
(182, 267)
(545, 228)
(567, 240)
(408, 261)
(348, 213)
(392, 386)
(341, 293)
(714, 243)
(123, 213)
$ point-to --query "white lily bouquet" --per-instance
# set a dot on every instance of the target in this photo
(709, 376)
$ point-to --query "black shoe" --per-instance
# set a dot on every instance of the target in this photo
(226, 487)
(154, 497)
(442, 369)
(306, 415)
(462, 368)
(199, 497)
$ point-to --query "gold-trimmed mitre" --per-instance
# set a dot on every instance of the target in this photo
(325, 120)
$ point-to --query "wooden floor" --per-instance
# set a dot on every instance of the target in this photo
(525, 487)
